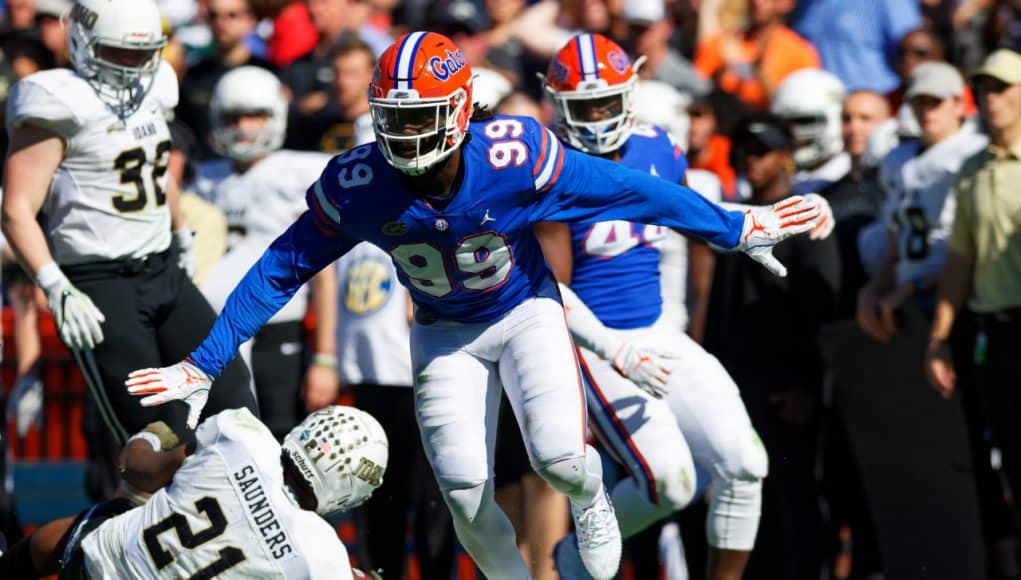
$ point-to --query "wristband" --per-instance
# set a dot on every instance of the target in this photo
(150, 438)
(48, 276)
(325, 360)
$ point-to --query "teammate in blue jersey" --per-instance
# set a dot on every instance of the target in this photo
(615, 313)
(453, 205)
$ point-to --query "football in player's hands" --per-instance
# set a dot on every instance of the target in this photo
(180, 382)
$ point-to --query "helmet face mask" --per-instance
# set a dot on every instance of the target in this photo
(248, 114)
(421, 101)
(591, 85)
(414, 135)
(116, 46)
(341, 453)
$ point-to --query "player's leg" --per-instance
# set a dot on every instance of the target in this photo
(712, 416)
(129, 343)
(185, 319)
(277, 368)
(643, 435)
(457, 398)
(543, 384)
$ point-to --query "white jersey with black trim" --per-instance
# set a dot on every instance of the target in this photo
(920, 203)
(225, 514)
(673, 254)
(373, 334)
(107, 198)
(259, 205)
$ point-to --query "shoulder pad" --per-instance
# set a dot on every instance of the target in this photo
(164, 87)
(44, 99)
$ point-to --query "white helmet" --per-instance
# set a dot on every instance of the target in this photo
(97, 30)
(342, 453)
(248, 90)
(490, 87)
(660, 104)
(811, 100)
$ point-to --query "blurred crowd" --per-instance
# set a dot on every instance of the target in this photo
(904, 114)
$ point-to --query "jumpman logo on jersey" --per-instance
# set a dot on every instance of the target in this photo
(652, 170)
(487, 218)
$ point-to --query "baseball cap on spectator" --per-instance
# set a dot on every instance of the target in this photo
(934, 79)
(1003, 64)
(461, 16)
(54, 8)
(765, 129)
(643, 12)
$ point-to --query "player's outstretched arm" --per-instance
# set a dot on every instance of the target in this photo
(293, 258)
(587, 188)
(647, 369)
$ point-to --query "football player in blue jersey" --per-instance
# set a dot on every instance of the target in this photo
(616, 315)
(453, 204)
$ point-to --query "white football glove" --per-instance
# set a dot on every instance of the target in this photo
(181, 382)
(26, 403)
(78, 320)
(767, 226)
(825, 223)
(645, 368)
(186, 257)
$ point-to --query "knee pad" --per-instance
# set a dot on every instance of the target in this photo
(748, 462)
(567, 476)
(465, 502)
(676, 490)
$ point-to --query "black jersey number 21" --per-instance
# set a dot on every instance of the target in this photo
(130, 164)
(162, 557)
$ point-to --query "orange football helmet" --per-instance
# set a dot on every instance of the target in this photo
(591, 82)
(421, 100)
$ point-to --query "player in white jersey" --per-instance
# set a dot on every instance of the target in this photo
(812, 102)
(918, 177)
(89, 151)
(261, 190)
(240, 505)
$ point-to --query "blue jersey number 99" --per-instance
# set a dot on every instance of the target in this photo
(486, 256)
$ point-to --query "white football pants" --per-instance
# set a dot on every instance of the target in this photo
(458, 370)
(702, 417)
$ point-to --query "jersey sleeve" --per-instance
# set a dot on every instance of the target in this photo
(574, 187)
(165, 89)
(229, 423)
(291, 260)
(32, 103)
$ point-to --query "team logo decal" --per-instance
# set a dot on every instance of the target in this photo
(618, 60)
(397, 228)
(444, 68)
(441, 225)
(305, 434)
(559, 71)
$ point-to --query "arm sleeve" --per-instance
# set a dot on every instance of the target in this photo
(294, 257)
(575, 187)
(586, 329)
(32, 104)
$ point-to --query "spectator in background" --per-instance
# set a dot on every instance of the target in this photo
(708, 148)
(649, 33)
(345, 121)
(230, 21)
(48, 15)
(917, 178)
(857, 40)
(504, 51)
(20, 14)
(856, 197)
(916, 47)
(544, 27)
(293, 32)
(981, 271)
(311, 77)
(776, 317)
(464, 22)
(752, 62)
